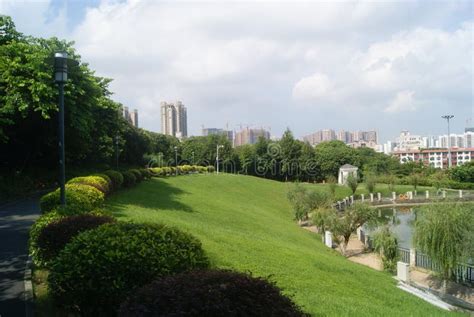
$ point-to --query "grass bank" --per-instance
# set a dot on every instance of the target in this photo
(245, 223)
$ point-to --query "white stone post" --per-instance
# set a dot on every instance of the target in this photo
(412, 257)
(444, 194)
(416, 193)
(394, 211)
(427, 194)
(352, 199)
(380, 213)
(359, 233)
(371, 197)
(362, 197)
(379, 196)
(394, 195)
(460, 193)
(410, 195)
(328, 239)
(403, 272)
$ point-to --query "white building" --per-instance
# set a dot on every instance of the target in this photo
(174, 120)
(345, 171)
(407, 142)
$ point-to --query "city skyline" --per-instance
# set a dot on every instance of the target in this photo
(331, 68)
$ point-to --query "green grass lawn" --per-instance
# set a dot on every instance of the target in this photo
(245, 223)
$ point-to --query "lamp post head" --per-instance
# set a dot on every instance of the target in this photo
(60, 67)
(447, 117)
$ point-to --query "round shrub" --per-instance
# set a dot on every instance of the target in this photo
(35, 231)
(95, 181)
(80, 198)
(137, 174)
(146, 174)
(54, 236)
(107, 178)
(209, 293)
(95, 271)
(116, 177)
(129, 179)
(211, 169)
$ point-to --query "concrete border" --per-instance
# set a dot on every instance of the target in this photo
(28, 294)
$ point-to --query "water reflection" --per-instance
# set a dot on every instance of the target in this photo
(400, 220)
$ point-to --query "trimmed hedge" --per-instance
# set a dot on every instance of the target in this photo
(209, 293)
(95, 271)
(129, 179)
(137, 174)
(80, 198)
(54, 236)
(116, 177)
(95, 181)
(35, 231)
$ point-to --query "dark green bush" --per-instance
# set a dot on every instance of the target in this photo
(95, 271)
(80, 198)
(146, 174)
(211, 169)
(129, 179)
(35, 231)
(116, 177)
(54, 236)
(107, 178)
(95, 181)
(137, 174)
(209, 293)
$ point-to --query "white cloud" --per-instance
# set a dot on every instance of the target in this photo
(312, 87)
(254, 62)
(402, 102)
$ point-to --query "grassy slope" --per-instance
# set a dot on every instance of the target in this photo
(245, 223)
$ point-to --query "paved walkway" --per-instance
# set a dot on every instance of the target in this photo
(15, 221)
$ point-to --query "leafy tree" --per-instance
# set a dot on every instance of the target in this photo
(352, 183)
(304, 201)
(441, 231)
(332, 155)
(370, 183)
(332, 181)
(415, 180)
(290, 153)
(463, 173)
(352, 218)
(386, 244)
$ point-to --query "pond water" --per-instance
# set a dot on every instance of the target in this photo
(400, 220)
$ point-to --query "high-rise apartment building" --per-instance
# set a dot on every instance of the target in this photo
(320, 136)
(174, 120)
(215, 131)
(250, 136)
(131, 117)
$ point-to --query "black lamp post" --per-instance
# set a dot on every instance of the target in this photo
(176, 159)
(116, 152)
(60, 77)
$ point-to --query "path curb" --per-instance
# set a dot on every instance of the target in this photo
(28, 295)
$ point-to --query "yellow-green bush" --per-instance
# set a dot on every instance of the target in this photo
(80, 198)
(98, 182)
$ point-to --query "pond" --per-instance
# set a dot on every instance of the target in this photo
(400, 220)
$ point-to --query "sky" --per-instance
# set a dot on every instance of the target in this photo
(388, 66)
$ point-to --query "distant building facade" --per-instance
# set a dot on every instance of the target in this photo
(216, 131)
(355, 138)
(250, 136)
(437, 158)
(131, 117)
(174, 119)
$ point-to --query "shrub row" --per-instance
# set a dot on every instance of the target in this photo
(181, 170)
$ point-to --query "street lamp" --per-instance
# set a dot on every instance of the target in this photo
(192, 154)
(176, 159)
(60, 77)
(116, 152)
(217, 157)
(448, 117)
